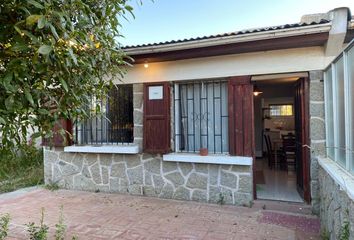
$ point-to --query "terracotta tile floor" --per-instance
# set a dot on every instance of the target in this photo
(114, 216)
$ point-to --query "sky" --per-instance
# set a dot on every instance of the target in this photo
(164, 20)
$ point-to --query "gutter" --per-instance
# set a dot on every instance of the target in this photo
(248, 37)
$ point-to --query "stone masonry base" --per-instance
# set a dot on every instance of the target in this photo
(336, 208)
(145, 174)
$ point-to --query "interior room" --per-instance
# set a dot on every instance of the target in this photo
(275, 140)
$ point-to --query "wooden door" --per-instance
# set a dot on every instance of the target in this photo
(241, 120)
(302, 138)
(241, 126)
(157, 129)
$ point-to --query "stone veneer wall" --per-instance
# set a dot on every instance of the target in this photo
(149, 175)
(145, 174)
(317, 133)
(336, 207)
(138, 106)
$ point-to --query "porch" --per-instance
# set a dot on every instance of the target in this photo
(111, 216)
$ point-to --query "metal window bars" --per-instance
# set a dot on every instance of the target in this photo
(201, 116)
(115, 123)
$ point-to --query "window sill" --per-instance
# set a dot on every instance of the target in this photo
(213, 159)
(122, 149)
(339, 175)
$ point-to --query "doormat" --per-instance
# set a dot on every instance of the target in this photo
(259, 177)
(307, 224)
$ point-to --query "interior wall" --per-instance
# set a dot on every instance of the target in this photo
(272, 93)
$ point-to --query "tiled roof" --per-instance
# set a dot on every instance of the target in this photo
(246, 31)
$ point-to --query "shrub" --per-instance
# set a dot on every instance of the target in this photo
(4, 226)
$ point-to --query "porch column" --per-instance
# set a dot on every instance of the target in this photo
(317, 133)
(138, 114)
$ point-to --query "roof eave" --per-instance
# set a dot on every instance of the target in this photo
(248, 37)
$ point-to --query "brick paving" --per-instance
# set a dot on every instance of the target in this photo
(113, 216)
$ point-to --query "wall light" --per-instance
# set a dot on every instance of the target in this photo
(256, 91)
(146, 65)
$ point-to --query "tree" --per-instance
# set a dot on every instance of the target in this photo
(54, 56)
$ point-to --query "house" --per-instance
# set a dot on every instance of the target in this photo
(271, 106)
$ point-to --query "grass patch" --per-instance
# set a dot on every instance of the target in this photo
(52, 187)
(23, 170)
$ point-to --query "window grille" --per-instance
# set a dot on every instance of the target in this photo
(281, 110)
(115, 124)
(201, 116)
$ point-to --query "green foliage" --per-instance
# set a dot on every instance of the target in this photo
(344, 232)
(221, 199)
(22, 169)
(54, 55)
(4, 226)
(60, 227)
(39, 232)
(325, 235)
(52, 186)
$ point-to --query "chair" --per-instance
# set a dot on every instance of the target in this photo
(289, 149)
(269, 152)
(272, 154)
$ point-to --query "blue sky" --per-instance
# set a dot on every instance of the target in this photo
(163, 20)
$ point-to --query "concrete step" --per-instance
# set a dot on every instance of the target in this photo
(286, 207)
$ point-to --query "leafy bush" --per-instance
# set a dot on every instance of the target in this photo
(60, 227)
(54, 56)
(344, 232)
(4, 226)
(39, 232)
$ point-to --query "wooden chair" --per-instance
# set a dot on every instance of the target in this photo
(289, 149)
(269, 151)
(272, 154)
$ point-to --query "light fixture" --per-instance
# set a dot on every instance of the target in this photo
(146, 64)
(256, 91)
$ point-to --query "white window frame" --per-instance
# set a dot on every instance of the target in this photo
(348, 105)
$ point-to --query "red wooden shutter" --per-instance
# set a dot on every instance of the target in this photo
(58, 140)
(157, 133)
(241, 141)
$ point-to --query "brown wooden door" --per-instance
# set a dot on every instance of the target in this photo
(241, 120)
(241, 132)
(302, 137)
(157, 129)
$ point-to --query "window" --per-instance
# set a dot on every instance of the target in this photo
(281, 110)
(350, 71)
(339, 136)
(339, 100)
(329, 113)
(201, 116)
(115, 125)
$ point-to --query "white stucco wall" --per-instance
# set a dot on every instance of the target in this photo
(267, 62)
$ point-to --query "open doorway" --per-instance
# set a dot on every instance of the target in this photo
(279, 139)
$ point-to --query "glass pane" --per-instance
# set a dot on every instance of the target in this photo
(339, 81)
(351, 105)
(281, 110)
(329, 114)
(114, 124)
(203, 122)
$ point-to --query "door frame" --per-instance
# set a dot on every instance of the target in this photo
(304, 87)
(305, 156)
